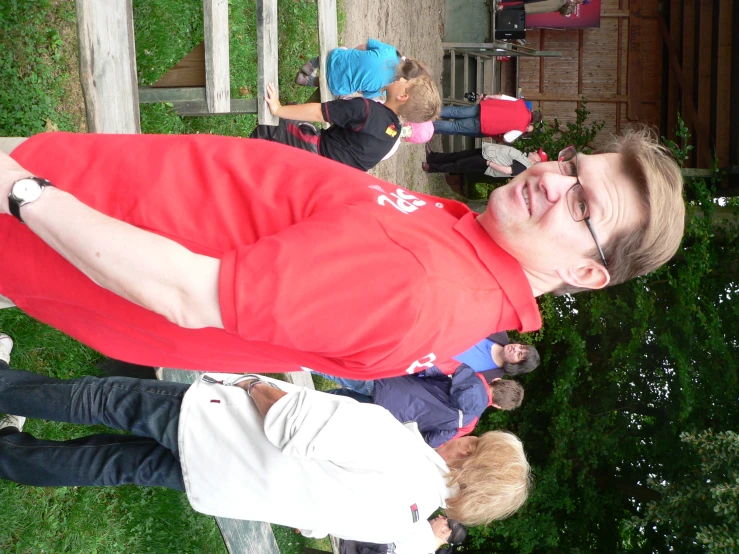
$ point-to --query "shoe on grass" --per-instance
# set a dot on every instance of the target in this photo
(305, 80)
(6, 347)
(310, 68)
(14, 421)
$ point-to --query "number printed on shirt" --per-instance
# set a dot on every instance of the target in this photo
(402, 201)
(421, 364)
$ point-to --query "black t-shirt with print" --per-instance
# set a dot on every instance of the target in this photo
(362, 132)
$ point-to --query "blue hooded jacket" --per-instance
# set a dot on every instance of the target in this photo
(442, 406)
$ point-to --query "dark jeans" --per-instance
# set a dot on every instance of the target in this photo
(464, 161)
(459, 120)
(148, 409)
(359, 397)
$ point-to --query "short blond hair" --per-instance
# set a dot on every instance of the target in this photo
(493, 482)
(659, 184)
(423, 103)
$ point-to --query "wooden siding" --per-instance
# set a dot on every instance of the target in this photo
(617, 68)
(649, 60)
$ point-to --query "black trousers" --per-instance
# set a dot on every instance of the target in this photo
(148, 409)
(293, 133)
(464, 161)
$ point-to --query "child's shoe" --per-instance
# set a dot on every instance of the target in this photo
(305, 80)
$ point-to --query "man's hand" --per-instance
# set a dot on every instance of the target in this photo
(10, 172)
(263, 394)
(501, 168)
(272, 99)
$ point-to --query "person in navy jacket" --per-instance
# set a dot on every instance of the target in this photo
(443, 406)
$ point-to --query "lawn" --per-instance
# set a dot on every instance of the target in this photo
(40, 92)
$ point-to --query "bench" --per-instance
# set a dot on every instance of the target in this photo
(107, 54)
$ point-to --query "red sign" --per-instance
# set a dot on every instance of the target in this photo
(585, 16)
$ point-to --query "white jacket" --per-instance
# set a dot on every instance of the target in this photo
(318, 462)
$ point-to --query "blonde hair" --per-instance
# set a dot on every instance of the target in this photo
(507, 394)
(423, 103)
(659, 184)
(493, 482)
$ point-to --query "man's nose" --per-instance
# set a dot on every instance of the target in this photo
(555, 185)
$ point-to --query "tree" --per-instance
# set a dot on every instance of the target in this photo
(629, 374)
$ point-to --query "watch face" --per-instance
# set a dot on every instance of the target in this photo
(26, 190)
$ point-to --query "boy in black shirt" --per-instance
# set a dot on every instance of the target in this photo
(362, 131)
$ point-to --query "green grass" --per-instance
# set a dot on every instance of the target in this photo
(34, 74)
(39, 90)
(72, 519)
(165, 33)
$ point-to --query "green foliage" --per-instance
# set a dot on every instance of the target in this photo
(553, 137)
(681, 149)
(699, 511)
(34, 82)
(166, 31)
(625, 373)
(72, 519)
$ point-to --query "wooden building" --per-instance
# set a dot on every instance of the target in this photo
(649, 60)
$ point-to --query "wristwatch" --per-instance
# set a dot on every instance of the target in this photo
(25, 191)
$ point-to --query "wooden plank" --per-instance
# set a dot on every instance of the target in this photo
(688, 63)
(239, 535)
(723, 80)
(453, 76)
(328, 39)
(267, 56)
(609, 14)
(478, 75)
(107, 57)
(619, 69)
(201, 108)
(151, 95)
(466, 70)
(689, 111)
(704, 70)
(676, 32)
(300, 378)
(506, 49)
(614, 99)
(188, 72)
(217, 78)
(634, 66)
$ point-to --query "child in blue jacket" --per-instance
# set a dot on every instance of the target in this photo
(366, 69)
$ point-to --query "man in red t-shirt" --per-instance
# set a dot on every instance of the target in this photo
(235, 255)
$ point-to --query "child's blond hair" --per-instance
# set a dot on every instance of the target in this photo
(423, 103)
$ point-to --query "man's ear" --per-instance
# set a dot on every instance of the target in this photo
(496, 406)
(402, 98)
(496, 379)
(589, 275)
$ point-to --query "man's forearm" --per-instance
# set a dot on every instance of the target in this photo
(500, 168)
(151, 271)
(301, 112)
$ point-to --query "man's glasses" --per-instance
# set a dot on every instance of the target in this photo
(577, 201)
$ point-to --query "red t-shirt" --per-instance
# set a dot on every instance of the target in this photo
(322, 266)
(497, 117)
